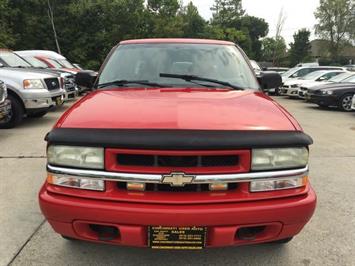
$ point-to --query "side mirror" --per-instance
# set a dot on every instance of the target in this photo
(86, 78)
(322, 79)
(269, 80)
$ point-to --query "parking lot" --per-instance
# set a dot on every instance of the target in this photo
(26, 239)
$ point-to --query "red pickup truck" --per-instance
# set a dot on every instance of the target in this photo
(177, 147)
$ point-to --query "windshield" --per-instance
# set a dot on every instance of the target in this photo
(341, 77)
(313, 75)
(147, 61)
(54, 63)
(35, 62)
(65, 63)
(13, 60)
(290, 72)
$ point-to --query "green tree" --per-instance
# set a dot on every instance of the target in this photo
(336, 23)
(193, 24)
(163, 18)
(256, 28)
(273, 50)
(229, 14)
(226, 12)
(6, 35)
(300, 48)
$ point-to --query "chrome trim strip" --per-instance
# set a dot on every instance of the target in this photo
(157, 178)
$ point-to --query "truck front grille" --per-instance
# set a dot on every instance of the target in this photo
(52, 84)
(191, 162)
(177, 161)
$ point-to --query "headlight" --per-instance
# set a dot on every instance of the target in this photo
(33, 84)
(79, 157)
(278, 184)
(279, 158)
(327, 92)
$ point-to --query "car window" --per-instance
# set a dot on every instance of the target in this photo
(330, 75)
(289, 72)
(351, 79)
(313, 75)
(302, 72)
(341, 77)
(147, 61)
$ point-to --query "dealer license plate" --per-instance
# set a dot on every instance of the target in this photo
(166, 237)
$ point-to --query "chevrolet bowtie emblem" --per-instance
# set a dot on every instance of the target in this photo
(177, 179)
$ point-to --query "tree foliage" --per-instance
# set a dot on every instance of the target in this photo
(300, 48)
(273, 50)
(336, 23)
(88, 29)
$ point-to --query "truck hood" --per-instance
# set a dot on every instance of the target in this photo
(22, 73)
(172, 108)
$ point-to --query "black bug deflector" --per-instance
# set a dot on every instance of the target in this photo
(177, 139)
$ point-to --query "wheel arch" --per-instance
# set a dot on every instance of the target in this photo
(14, 94)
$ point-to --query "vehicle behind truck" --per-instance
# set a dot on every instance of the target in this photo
(30, 94)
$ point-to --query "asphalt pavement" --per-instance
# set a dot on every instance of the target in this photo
(329, 239)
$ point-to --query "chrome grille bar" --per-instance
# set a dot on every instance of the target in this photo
(157, 178)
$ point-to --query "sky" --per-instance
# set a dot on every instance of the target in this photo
(298, 13)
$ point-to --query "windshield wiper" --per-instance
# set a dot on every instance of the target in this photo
(191, 78)
(123, 82)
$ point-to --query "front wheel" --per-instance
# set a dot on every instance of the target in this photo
(16, 114)
(345, 102)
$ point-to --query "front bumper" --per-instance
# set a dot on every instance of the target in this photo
(41, 99)
(5, 108)
(70, 94)
(292, 92)
(324, 100)
(282, 218)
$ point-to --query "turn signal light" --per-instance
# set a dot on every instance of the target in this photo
(136, 186)
(278, 184)
(76, 182)
(218, 186)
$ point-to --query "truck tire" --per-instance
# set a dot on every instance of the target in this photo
(345, 102)
(37, 114)
(16, 114)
